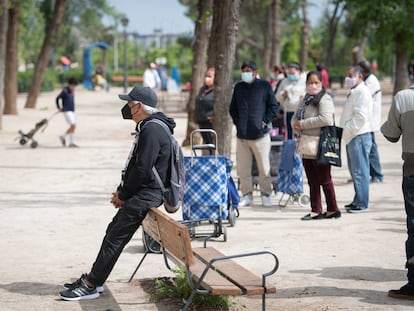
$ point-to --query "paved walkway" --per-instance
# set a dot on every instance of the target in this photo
(54, 208)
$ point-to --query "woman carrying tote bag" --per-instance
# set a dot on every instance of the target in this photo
(315, 111)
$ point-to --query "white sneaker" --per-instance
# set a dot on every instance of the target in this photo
(266, 201)
(247, 200)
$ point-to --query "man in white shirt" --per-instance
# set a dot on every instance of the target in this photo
(374, 88)
(151, 77)
(355, 121)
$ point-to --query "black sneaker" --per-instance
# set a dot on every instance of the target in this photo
(357, 209)
(406, 292)
(348, 206)
(82, 292)
(376, 181)
(62, 140)
(78, 282)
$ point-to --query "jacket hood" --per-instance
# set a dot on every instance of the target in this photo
(160, 116)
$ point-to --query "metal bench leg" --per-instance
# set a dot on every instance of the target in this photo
(189, 301)
(139, 265)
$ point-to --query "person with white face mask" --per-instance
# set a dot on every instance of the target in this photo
(252, 108)
(316, 110)
(356, 124)
(374, 88)
(291, 90)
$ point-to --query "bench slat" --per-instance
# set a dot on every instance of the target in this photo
(129, 78)
(249, 282)
(213, 281)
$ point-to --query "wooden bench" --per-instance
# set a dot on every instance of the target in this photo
(134, 79)
(208, 270)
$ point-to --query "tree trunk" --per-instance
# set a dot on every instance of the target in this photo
(201, 35)
(10, 91)
(332, 29)
(3, 37)
(226, 24)
(267, 46)
(359, 50)
(304, 42)
(401, 57)
(276, 22)
(44, 57)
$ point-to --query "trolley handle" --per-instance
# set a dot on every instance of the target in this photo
(203, 146)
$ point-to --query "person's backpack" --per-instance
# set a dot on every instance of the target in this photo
(173, 195)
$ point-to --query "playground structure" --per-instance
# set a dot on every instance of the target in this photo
(87, 62)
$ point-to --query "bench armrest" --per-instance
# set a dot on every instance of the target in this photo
(264, 275)
(210, 263)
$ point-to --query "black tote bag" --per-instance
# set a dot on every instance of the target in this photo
(329, 149)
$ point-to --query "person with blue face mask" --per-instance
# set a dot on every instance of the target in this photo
(290, 92)
(252, 108)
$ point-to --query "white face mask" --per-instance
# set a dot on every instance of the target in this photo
(350, 82)
(247, 77)
(313, 89)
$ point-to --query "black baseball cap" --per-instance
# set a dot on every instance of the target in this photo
(143, 94)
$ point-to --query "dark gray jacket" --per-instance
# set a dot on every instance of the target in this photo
(153, 148)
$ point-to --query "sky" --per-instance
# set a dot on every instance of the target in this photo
(146, 15)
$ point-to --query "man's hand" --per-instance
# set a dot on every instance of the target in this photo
(116, 202)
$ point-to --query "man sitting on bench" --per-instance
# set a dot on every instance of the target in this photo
(138, 192)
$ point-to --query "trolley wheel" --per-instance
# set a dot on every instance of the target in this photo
(23, 141)
(34, 144)
(224, 234)
(304, 200)
(232, 217)
(150, 244)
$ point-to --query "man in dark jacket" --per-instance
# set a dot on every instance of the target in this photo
(253, 107)
(137, 192)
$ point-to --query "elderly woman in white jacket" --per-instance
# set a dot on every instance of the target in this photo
(315, 111)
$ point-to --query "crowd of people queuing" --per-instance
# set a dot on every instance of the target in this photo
(306, 104)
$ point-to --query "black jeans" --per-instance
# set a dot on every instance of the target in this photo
(408, 191)
(120, 231)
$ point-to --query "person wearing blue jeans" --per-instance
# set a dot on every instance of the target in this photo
(355, 121)
(375, 170)
(374, 88)
(357, 153)
(400, 123)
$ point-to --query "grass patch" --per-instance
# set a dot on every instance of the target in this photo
(178, 288)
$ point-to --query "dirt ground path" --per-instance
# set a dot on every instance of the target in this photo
(54, 208)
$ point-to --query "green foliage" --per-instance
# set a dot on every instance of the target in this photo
(48, 82)
(31, 31)
(385, 23)
(51, 79)
(178, 288)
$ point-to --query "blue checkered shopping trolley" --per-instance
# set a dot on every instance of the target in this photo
(206, 195)
(290, 177)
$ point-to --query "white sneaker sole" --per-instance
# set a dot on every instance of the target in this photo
(87, 297)
(99, 289)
